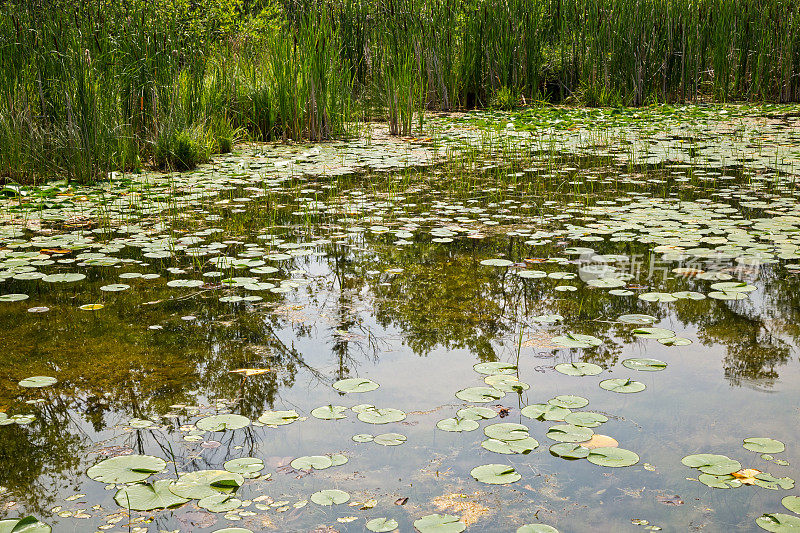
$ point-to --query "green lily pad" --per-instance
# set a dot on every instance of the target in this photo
(439, 523)
(381, 416)
(68, 277)
(278, 418)
(521, 446)
(390, 439)
(545, 411)
(126, 468)
(329, 497)
(648, 365)
(763, 445)
(36, 382)
(476, 413)
(233, 530)
(536, 528)
(569, 433)
(675, 341)
(497, 262)
(147, 497)
(569, 401)
(662, 297)
(622, 385)
(204, 483)
(248, 467)
(329, 412)
(792, 503)
(355, 385)
(115, 287)
(578, 369)
(569, 450)
(222, 422)
(613, 457)
(576, 340)
(363, 437)
(309, 462)
(585, 419)
(768, 481)
(506, 431)
(639, 320)
(28, 524)
(457, 424)
(733, 286)
(723, 481)
(654, 333)
(382, 525)
(495, 367)
(710, 463)
(219, 503)
(779, 522)
(721, 295)
(480, 394)
(495, 474)
(506, 383)
(14, 297)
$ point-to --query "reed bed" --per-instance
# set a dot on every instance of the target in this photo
(93, 86)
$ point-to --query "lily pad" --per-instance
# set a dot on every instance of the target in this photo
(654, 333)
(382, 525)
(329, 497)
(521, 446)
(622, 385)
(792, 503)
(497, 262)
(36, 382)
(278, 418)
(779, 522)
(569, 450)
(495, 367)
(569, 401)
(147, 497)
(476, 413)
(585, 419)
(578, 369)
(763, 445)
(480, 394)
(246, 466)
(126, 468)
(506, 431)
(710, 463)
(222, 422)
(67, 277)
(329, 412)
(14, 297)
(219, 503)
(355, 385)
(545, 411)
(723, 481)
(28, 524)
(613, 457)
(639, 320)
(644, 364)
(390, 439)
(536, 528)
(495, 474)
(569, 433)
(457, 424)
(204, 483)
(506, 383)
(312, 462)
(576, 340)
(381, 416)
(439, 523)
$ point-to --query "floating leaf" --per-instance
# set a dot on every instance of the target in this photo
(219, 503)
(222, 422)
(480, 394)
(13, 297)
(68, 277)
(506, 431)
(476, 413)
(329, 412)
(248, 467)
(792, 503)
(204, 483)
(126, 468)
(309, 462)
(355, 385)
(779, 522)
(662, 297)
(330, 497)
(654, 333)
(28, 524)
(382, 525)
(506, 383)
(640, 320)
(522, 446)
(763, 445)
(545, 411)
(649, 365)
(381, 416)
(536, 528)
(36, 382)
(585, 419)
(569, 433)
(576, 340)
(457, 424)
(578, 369)
(710, 463)
(390, 439)
(569, 401)
(278, 418)
(613, 457)
(439, 523)
(497, 262)
(363, 437)
(719, 481)
(147, 497)
(622, 385)
(115, 287)
(495, 367)
(495, 474)
(569, 450)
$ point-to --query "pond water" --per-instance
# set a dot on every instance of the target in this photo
(630, 307)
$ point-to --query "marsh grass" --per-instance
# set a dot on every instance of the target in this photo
(91, 87)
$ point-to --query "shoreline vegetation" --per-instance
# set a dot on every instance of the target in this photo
(95, 86)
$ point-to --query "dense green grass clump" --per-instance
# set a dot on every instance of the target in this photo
(92, 86)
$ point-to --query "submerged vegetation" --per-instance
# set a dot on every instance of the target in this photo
(97, 86)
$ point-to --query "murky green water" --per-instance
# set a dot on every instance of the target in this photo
(259, 262)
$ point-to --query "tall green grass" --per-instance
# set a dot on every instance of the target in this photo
(97, 85)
